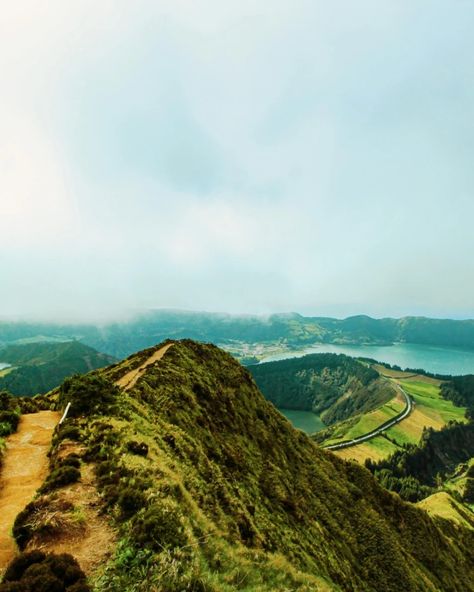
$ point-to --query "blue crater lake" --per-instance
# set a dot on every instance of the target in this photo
(440, 360)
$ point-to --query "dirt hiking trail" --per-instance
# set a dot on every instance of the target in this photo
(130, 379)
(25, 466)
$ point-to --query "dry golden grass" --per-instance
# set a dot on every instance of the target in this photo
(443, 505)
(392, 373)
(375, 449)
(398, 374)
(413, 425)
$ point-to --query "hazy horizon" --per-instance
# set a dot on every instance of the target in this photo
(131, 315)
(257, 157)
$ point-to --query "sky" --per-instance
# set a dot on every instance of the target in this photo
(250, 157)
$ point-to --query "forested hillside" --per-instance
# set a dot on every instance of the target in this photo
(460, 390)
(334, 385)
(417, 470)
(39, 367)
(121, 338)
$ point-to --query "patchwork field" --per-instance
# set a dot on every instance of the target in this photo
(376, 449)
(430, 410)
(389, 373)
(369, 421)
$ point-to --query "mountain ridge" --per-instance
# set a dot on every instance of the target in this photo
(122, 338)
(243, 492)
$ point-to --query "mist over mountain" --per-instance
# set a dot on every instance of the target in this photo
(122, 338)
(241, 157)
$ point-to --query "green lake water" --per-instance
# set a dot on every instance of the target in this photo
(303, 420)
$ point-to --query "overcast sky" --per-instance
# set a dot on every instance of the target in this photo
(250, 156)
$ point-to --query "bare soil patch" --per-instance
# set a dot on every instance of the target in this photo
(78, 526)
(25, 466)
(128, 381)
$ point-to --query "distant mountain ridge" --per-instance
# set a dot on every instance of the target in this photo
(120, 339)
(39, 367)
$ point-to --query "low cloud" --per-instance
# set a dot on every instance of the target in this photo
(251, 158)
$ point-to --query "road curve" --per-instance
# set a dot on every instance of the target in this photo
(382, 428)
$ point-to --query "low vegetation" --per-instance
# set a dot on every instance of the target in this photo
(40, 572)
(9, 418)
(9, 414)
(460, 390)
(89, 394)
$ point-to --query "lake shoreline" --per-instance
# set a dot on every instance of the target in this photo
(431, 358)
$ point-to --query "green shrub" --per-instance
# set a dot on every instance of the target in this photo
(160, 527)
(37, 572)
(102, 442)
(31, 520)
(6, 401)
(15, 587)
(18, 565)
(80, 586)
(89, 394)
(71, 460)
(63, 475)
(9, 414)
(65, 568)
(130, 501)
(69, 432)
(5, 429)
(22, 527)
(11, 417)
(139, 448)
(468, 495)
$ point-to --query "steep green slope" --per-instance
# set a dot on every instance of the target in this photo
(39, 367)
(334, 385)
(212, 490)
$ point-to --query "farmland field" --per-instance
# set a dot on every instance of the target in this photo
(430, 410)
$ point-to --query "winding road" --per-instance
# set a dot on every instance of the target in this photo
(380, 429)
